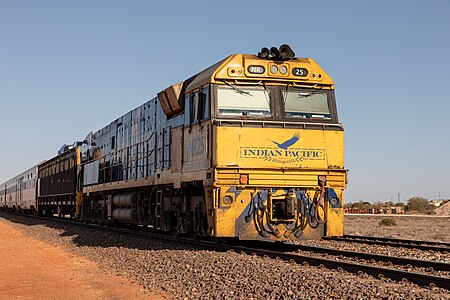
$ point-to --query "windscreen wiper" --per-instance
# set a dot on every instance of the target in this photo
(306, 94)
(239, 91)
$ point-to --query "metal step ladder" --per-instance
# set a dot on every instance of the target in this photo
(158, 212)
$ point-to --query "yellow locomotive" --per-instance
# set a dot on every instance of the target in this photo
(249, 148)
(278, 148)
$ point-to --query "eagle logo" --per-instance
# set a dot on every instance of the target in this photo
(286, 144)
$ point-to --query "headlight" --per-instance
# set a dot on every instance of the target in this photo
(273, 69)
(227, 200)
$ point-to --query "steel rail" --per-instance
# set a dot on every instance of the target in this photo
(406, 241)
(436, 265)
(417, 278)
(388, 243)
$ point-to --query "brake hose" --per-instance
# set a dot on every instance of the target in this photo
(301, 220)
(321, 205)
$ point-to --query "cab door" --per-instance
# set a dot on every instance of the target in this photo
(196, 137)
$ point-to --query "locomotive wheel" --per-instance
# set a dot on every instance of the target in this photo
(193, 234)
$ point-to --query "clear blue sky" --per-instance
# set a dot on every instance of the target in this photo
(70, 67)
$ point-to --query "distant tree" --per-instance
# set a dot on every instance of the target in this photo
(388, 203)
(400, 204)
(380, 204)
(361, 204)
(419, 204)
(377, 204)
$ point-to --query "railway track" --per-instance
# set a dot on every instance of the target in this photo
(410, 262)
(284, 252)
(411, 244)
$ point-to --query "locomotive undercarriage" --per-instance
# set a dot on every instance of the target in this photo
(60, 205)
(286, 213)
(17, 208)
(179, 211)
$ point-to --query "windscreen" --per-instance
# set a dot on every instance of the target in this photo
(306, 104)
(243, 101)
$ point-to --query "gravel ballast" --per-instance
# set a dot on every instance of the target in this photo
(189, 273)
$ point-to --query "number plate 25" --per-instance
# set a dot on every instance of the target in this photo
(300, 72)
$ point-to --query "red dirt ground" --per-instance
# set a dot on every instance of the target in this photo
(32, 269)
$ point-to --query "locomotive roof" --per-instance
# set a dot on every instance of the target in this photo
(203, 77)
(236, 68)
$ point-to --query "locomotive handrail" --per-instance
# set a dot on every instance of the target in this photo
(304, 85)
(107, 169)
(339, 125)
(247, 83)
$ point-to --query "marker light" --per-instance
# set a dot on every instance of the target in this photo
(243, 179)
(322, 179)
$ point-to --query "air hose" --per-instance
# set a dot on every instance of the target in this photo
(301, 220)
(272, 228)
(321, 205)
(258, 215)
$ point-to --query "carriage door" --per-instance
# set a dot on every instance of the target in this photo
(19, 192)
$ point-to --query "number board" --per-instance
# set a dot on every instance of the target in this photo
(300, 72)
(253, 69)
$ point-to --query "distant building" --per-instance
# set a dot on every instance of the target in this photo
(437, 203)
(380, 210)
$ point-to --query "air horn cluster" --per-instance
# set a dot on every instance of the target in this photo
(284, 53)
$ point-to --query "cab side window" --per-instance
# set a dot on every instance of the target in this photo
(189, 109)
(196, 106)
(203, 104)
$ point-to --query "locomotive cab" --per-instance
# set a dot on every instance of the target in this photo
(277, 150)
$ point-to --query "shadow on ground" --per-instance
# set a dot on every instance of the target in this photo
(83, 236)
